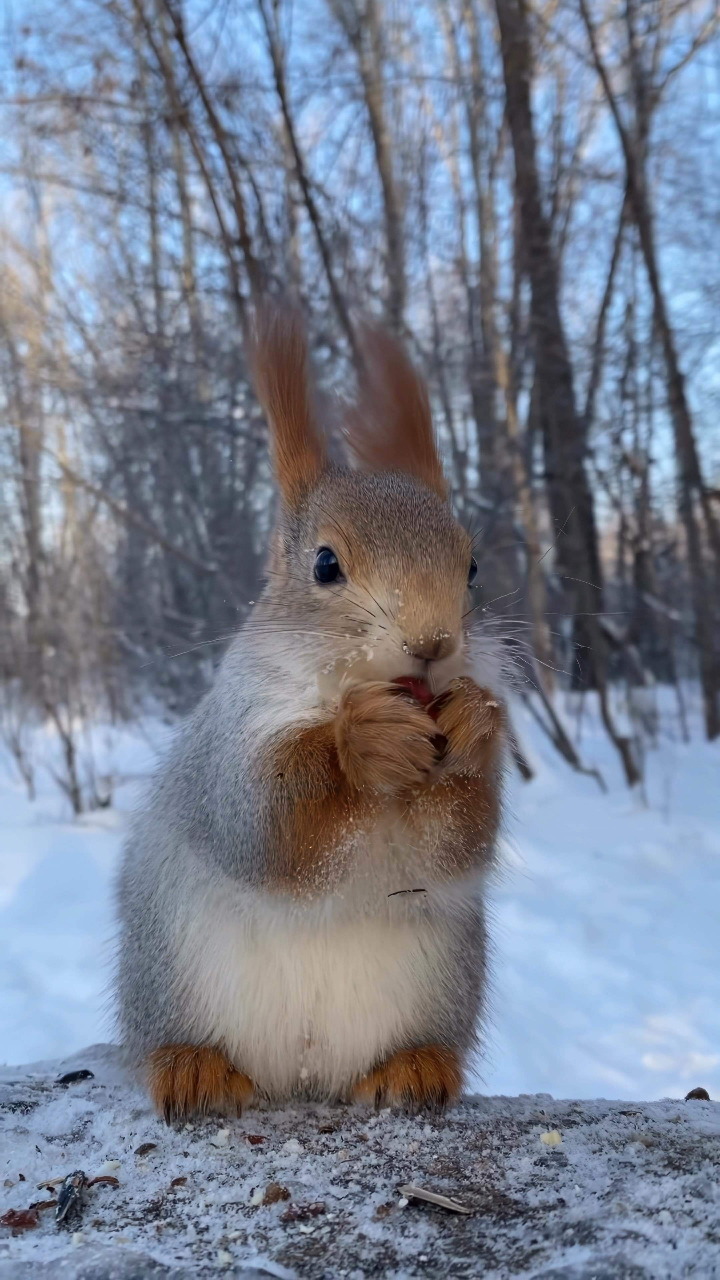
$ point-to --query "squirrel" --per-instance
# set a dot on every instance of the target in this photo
(301, 896)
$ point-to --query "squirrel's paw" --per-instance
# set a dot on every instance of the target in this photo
(384, 738)
(470, 718)
(429, 1077)
(190, 1079)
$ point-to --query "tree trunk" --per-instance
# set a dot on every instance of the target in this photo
(278, 66)
(366, 36)
(507, 453)
(569, 491)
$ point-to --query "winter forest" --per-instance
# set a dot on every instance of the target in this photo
(528, 195)
(526, 192)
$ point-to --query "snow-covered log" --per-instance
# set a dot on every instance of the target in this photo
(610, 1190)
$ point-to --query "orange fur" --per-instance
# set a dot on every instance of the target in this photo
(187, 1079)
(413, 1078)
(384, 739)
(463, 800)
(314, 804)
(332, 777)
(473, 721)
(464, 811)
(391, 429)
(280, 374)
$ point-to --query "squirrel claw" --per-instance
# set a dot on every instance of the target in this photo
(186, 1080)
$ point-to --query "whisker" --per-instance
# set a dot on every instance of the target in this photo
(559, 670)
(554, 544)
(568, 578)
(378, 604)
(504, 596)
(480, 605)
(338, 529)
(193, 647)
(359, 605)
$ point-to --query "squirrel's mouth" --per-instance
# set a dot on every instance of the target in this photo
(418, 688)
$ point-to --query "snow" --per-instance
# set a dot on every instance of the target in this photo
(56, 922)
(624, 1192)
(607, 947)
(607, 972)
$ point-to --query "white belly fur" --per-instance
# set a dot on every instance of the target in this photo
(309, 1003)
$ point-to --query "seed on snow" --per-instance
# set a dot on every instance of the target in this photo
(551, 1139)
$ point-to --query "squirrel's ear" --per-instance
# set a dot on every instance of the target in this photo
(391, 428)
(282, 384)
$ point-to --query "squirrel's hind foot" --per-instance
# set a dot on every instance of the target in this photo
(189, 1079)
(427, 1078)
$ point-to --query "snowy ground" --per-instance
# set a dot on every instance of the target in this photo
(607, 972)
(552, 1190)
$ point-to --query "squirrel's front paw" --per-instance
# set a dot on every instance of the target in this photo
(190, 1079)
(471, 718)
(384, 739)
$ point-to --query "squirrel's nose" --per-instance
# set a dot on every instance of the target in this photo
(430, 649)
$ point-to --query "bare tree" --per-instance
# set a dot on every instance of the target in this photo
(164, 175)
(695, 505)
(363, 26)
(565, 445)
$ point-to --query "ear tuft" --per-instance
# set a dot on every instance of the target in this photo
(282, 385)
(391, 428)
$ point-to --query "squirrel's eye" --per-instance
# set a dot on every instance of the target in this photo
(472, 571)
(327, 568)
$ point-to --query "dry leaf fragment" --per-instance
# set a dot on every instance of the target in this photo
(20, 1219)
(301, 1212)
(24, 1219)
(433, 1197)
(254, 1139)
(178, 1182)
(274, 1192)
(144, 1147)
(383, 1210)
